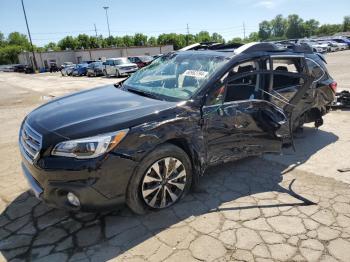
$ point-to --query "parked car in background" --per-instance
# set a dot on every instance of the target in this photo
(19, 68)
(147, 140)
(333, 46)
(119, 67)
(341, 43)
(53, 67)
(343, 40)
(68, 70)
(80, 70)
(156, 56)
(95, 69)
(8, 68)
(66, 64)
(141, 61)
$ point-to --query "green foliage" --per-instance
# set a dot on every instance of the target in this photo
(9, 54)
(310, 27)
(295, 28)
(18, 39)
(329, 29)
(140, 39)
(51, 47)
(68, 42)
(265, 30)
(152, 41)
(346, 24)
(278, 26)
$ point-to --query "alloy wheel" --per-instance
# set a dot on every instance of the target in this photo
(164, 183)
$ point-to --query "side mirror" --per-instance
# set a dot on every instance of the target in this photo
(104, 63)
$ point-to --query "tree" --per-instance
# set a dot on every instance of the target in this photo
(310, 27)
(51, 47)
(177, 40)
(236, 40)
(264, 30)
(253, 37)
(140, 39)
(83, 41)
(278, 26)
(152, 41)
(9, 54)
(215, 37)
(346, 23)
(203, 36)
(2, 40)
(128, 40)
(329, 29)
(68, 42)
(18, 39)
(295, 27)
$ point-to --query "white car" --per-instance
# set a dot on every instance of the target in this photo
(119, 67)
(331, 47)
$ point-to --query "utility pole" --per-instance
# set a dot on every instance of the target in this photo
(109, 31)
(243, 30)
(188, 34)
(30, 38)
(95, 30)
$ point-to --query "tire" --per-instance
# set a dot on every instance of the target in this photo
(145, 186)
(105, 73)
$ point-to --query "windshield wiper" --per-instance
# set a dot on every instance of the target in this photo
(143, 93)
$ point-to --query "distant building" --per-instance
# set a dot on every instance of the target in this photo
(44, 59)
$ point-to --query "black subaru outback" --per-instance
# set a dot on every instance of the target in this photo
(147, 140)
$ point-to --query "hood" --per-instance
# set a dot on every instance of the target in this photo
(95, 111)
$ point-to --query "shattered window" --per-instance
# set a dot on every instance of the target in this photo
(245, 87)
(316, 71)
(176, 75)
(291, 65)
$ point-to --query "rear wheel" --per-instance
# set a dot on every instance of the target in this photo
(105, 73)
(163, 178)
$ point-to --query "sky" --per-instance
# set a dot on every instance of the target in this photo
(51, 20)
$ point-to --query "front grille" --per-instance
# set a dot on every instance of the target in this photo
(128, 67)
(30, 142)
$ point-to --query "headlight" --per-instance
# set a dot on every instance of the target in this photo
(89, 147)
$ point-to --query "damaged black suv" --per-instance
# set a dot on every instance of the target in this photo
(147, 140)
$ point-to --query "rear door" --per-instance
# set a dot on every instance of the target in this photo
(109, 67)
(286, 79)
(238, 121)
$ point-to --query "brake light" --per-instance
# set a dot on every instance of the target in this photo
(333, 85)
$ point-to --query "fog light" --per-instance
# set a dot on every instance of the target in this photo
(73, 199)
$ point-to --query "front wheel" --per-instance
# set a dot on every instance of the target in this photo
(117, 74)
(162, 179)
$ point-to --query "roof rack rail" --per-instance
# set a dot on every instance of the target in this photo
(212, 46)
(238, 48)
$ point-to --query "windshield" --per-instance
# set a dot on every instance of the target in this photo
(146, 58)
(121, 61)
(94, 64)
(176, 75)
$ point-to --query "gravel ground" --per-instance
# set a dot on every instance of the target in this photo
(294, 207)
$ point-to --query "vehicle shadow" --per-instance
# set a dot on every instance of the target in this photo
(307, 142)
(29, 230)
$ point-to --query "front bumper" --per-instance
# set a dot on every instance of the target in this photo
(127, 71)
(100, 188)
